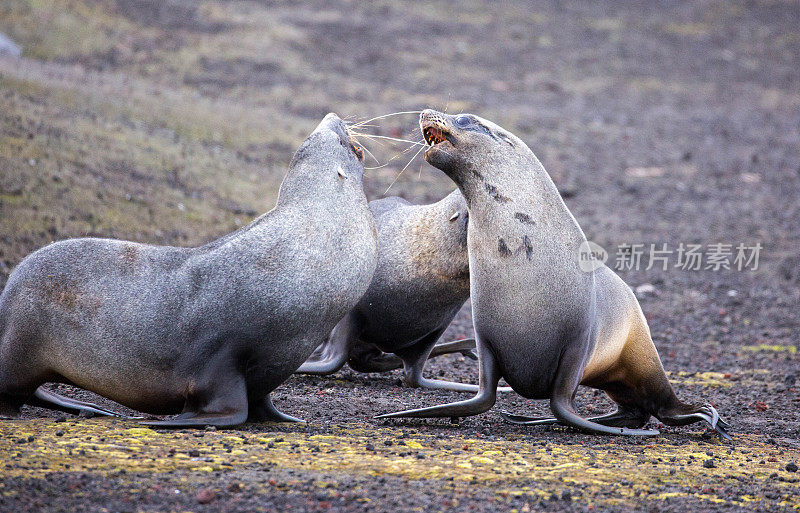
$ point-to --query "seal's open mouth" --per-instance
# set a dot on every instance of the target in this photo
(355, 146)
(434, 135)
(357, 149)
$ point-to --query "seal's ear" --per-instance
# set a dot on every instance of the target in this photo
(340, 171)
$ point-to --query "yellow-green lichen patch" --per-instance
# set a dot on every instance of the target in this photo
(608, 472)
(766, 348)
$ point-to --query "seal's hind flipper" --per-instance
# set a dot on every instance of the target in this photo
(46, 399)
(706, 413)
(619, 418)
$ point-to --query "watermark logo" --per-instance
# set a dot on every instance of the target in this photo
(686, 257)
(591, 256)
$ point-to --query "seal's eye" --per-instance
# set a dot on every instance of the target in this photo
(463, 121)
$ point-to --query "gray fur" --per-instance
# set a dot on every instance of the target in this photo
(420, 283)
(538, 317)
(207, 331)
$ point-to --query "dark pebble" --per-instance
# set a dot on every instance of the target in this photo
(791, 467)
(709, 464)
(60, 433)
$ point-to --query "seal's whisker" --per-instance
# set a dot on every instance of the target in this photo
(359, 125)
(359, 134)
(394, 139)
(388, 115)
(370, 154)
(395, 156)
(404, 168)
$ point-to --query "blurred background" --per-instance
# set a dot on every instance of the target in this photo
(172, 122)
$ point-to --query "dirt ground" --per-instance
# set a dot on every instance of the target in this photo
(660, 122)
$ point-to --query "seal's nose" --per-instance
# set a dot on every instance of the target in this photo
(333, 123)
(427, 114)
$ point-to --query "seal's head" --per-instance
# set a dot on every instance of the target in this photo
(331, 141)
(464, 142)
(328, 160)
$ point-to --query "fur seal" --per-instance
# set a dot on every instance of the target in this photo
(203, 332)
(420, 283)
(541, 322)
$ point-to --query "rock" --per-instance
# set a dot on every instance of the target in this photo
(709, 463)
(205, 495)
(645, 288)
(9, 47)
(791, 467)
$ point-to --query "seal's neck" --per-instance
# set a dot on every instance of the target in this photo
(516, 186)
(314, 182)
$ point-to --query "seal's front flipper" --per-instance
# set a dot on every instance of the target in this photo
(489, 376)
(529, 421)
(332, 354)
(46, 399)
(415, 358)
(566, 414)
(464, 346)
(322, 364)
(200, 420)
(267, 412)
(438, 384)
(567, 378)
(224, 404)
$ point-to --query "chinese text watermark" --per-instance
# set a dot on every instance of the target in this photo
(686, 257)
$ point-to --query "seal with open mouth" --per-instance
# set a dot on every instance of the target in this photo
(419, 285)
(541, 322)
(203, 332)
